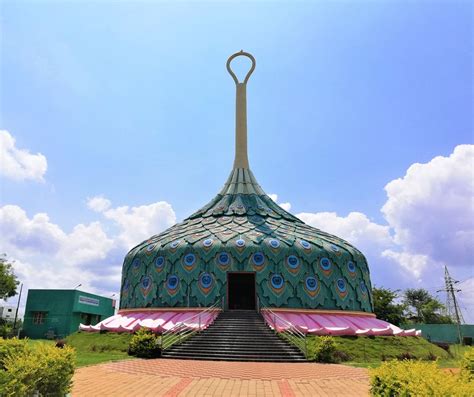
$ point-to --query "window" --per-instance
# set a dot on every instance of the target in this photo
(9, 310)
(39, 317)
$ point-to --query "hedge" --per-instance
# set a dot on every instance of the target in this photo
(43, 370)
(417, 378)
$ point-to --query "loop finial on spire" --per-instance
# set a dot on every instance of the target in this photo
(231, 72)
(241, 157)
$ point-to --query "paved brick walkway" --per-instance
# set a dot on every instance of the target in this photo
(172, 378)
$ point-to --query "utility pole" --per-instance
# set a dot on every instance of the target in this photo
(17, 307)
(452, 307)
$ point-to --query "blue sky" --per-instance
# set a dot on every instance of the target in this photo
(132, 102)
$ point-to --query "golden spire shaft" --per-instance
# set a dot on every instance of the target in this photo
(241, 157)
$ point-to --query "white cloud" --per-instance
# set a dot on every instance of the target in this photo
(27, 237)
(140, 223)
(431, 208)
(273, 196)
(430, 223)
(356, 228)
(84, 244)
(20, 164)
(98, 203)
(286, 206)
(37, 234)
(48, 257)
(414, 264)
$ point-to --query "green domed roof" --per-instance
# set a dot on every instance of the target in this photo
(244, 230)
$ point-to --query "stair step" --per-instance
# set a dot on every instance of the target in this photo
(235, 357)
(248, 359)
(246, 342)
(250, 342)
(236, 336)
(243, 353)
(276, 350)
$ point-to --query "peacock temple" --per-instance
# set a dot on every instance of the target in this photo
(242, 251)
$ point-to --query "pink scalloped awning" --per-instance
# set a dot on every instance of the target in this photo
(308, 323)
(156, 321)
(334, 324)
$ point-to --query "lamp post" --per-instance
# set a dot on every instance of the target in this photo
(114, 302)
(17, 307)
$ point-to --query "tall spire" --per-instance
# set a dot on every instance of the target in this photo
(241, 157)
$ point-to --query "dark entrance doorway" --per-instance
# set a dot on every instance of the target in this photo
(241, 291)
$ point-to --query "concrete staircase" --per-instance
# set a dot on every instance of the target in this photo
(237, 335)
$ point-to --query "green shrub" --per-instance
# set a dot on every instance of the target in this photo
(11, 347)
(325, 350)
(144, 344)
(417, 378)
(44, 369)
(6, 330)
(467, 365)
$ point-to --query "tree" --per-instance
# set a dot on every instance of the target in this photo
(385, 307)
(421, 307)
(8, 281)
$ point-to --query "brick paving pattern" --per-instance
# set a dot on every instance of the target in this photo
(173, 378)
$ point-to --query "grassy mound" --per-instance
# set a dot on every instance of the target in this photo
(94, 348)
(366, 351)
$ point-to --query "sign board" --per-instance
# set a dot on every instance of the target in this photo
(88, 301)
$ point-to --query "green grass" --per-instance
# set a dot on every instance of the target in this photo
(90, 358)
(372, 351)
(456, 353)
(94, 348)
(97, 342)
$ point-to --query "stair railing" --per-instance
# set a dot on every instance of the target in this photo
(289, 330)
(186, 328)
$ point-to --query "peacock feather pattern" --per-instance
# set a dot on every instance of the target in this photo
(244, 230)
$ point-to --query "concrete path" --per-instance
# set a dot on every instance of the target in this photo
(172, 378)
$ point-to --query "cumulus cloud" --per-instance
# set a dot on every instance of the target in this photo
(20, 164)
(429, 216)
(431, 209)
(84, 244)
(98, 203)
(36, 234)
(356, 228)
(412, 264)
(139, 223)
(46, 256)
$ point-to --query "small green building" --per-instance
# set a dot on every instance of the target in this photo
(56, 313)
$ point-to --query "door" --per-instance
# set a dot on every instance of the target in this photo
(241, 291)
